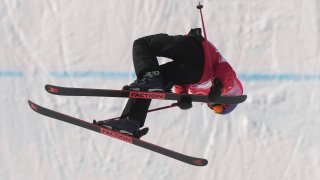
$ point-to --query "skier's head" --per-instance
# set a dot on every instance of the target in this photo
(222, 108)
(236, 90)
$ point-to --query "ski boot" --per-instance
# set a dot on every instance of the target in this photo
(125, 126)
(152, 81)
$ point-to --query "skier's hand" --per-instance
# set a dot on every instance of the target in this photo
(185, 103)
(215, 90)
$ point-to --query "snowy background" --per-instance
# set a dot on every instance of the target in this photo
(273, 45)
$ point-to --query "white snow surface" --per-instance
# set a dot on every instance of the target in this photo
(273, 135)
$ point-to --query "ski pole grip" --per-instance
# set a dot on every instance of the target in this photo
(200, 6)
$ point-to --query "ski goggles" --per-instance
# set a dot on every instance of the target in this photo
(222, 108)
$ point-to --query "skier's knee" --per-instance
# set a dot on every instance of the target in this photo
(139, 42)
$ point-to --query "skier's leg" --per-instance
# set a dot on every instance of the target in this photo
(137, 109)
(187, 65)
(144, 60)
(185, 51)
(186, 68)
(132, 118)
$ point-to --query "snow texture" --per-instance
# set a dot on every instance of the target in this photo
(273, 45)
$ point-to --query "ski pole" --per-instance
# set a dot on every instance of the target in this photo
(200, 6)
(151, 110)
(164, 107)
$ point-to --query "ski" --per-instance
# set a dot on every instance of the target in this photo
(117, 135)
(69, 91)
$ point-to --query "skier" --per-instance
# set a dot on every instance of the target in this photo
(196, 67)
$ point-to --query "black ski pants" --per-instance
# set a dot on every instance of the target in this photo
(186, 66)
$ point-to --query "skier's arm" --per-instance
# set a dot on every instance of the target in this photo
(184, 103)
(226, 75)
(181, 89)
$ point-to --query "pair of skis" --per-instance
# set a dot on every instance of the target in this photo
(56, 90)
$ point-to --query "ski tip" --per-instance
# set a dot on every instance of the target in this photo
(30, 102)
(245, 97)
(47, 86)
(200, 162)
(51, 89)
(32, 105)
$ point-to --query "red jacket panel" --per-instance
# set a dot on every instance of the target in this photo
(215, 66)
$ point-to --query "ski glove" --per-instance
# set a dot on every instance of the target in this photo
(215, 90)
(185, 103)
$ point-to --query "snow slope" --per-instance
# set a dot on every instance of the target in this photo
(273, 45)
